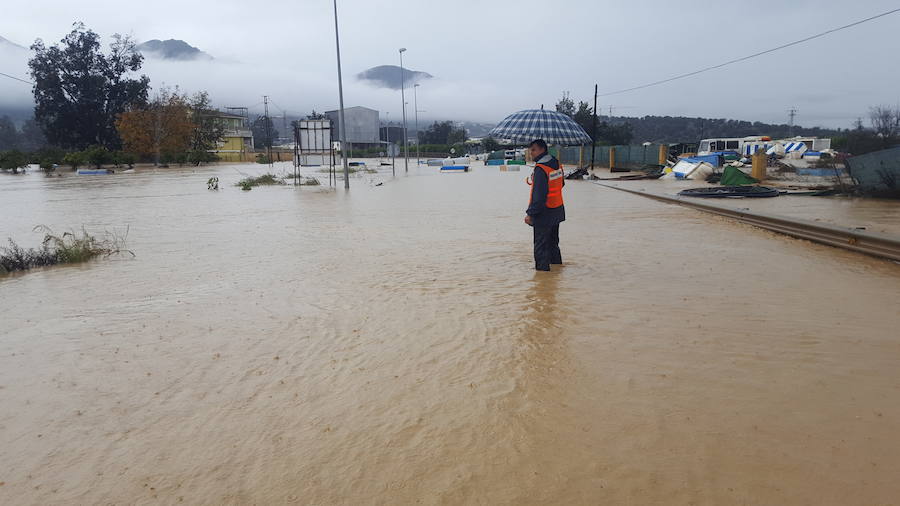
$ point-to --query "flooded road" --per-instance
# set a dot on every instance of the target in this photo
(392, 345)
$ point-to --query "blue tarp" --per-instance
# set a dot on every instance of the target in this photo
(715, 160)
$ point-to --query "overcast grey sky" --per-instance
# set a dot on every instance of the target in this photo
(490, 58)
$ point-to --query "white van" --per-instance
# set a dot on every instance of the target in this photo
(738, 144)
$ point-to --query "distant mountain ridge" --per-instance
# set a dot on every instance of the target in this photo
(171, 49)
(672, 129)
(388, 76)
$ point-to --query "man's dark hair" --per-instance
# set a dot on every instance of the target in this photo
(539, 143)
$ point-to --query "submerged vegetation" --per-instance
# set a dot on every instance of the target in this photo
(68, 248)
(269, 179)
(264, 180)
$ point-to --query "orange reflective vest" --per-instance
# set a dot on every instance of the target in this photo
(554, 186)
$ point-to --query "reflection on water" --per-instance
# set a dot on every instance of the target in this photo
(392, 345)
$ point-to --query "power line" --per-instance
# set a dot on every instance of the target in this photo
(754, 55)
(16, 78)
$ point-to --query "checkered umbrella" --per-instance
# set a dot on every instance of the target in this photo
(554, 127)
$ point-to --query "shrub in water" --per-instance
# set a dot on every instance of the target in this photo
(67, 248)
(13, 160)
(75, 159)
(265, 179)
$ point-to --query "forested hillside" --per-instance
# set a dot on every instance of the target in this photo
(672, 129)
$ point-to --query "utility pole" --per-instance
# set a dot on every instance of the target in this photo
(268, 133)
(594, 127)
(416, 105)
(337, 44)
(403, 99)
(157, 135)
(792, 112)
(387, 138)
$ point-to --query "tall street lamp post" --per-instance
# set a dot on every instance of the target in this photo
(416, 105)
(337, 44)
(403, 99)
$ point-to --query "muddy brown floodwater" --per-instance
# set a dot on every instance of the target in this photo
(391, 345)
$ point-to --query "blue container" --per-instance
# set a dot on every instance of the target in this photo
(455, 168)
(495, 162)
(715, 160)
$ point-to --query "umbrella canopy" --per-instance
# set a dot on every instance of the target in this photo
(554, 127)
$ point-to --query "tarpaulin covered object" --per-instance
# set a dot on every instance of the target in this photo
(733, 176)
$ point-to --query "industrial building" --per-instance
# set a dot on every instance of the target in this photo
(362, 125)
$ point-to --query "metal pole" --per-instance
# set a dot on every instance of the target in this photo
(403, 99)
(157, 133)
(416, 105)
(337, 45)
(390, 144)
(594, 128)
(268, 134)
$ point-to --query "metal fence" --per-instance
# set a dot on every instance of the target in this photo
(626, 157)
(876, 171)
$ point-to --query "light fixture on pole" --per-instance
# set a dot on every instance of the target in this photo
(341, 129)
(416, 105)
(403, 99)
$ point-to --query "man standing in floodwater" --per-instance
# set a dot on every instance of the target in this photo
(545, 207)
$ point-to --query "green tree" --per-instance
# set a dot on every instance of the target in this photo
(97, 156)
(9, 136)
(208, 129)
(584, 116)
(48, 157)
(198, 157)
(74, 159)
(442, 132)
(315, 115)
(79, 91)
(490, 144)
(261, 137)
(13, 160)
(47, 165)
(127, 158)
(457, 135)
(31, 138)
(615, 135)
(566, 105)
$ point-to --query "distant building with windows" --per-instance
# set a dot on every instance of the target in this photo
(362, 125)
(237, 138)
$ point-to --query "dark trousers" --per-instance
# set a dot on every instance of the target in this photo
(546, 247)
